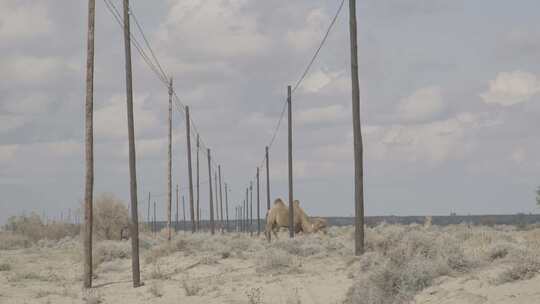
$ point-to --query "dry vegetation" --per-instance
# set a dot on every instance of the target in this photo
(401, 264)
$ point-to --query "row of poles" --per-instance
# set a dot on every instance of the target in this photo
(244, 220)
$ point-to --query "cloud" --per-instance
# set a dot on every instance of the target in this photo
(332, 113)
(518, 155)
(110, 121)
(31, 69)
(7, 153)
(510, 88)
(9, 123)
(432, 142)
(23, 21)
(423, 105)
(304, 38)
(216, 28)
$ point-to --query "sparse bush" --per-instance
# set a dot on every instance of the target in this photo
(254, 295)
(525, 265)
(9, 241)
(155, 290)
(32, 228)
(107, 251)
(279, 261)
(192, 288)
(5, 267)
(110, 217)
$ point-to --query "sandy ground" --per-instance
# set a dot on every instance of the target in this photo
(234, 269)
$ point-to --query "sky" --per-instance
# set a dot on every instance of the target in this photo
(449, 94)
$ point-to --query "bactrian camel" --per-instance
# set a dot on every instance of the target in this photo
(278, 217)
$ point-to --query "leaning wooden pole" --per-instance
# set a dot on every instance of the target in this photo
(226, 208)
(267, 181)
(89, 148)
(212, 227)
(184, 213)
(221, 200)
(176, 222)
(291, 209)
(169, 165)
(190, 172)
(357, 135)
(134, 233)
(197, 217)
(258, 206)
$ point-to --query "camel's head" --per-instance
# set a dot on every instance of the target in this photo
(319, 224)
(278, 201)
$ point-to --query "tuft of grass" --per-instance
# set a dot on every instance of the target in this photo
(5, 266)
(192, 288)
(156, 290)
(278, 261)
(107, 251)
(525, 265)
(254, 295)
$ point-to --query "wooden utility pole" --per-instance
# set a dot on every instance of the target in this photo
(267, 181)
(190, 172)
(226, 207)
(221, 200)
(212, 227)
(89, 148)
(148, 214)
(291, 208)
(198, 192)
(251, 208)
(176, 222)
(246, 211)
(357, 135)
(169, 165)
(154, 223)
(184, 212)
(258, 206)
(134, 233)
(217, 199)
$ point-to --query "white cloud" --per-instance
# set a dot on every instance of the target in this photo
(332, 113)
(518, 155)
(24, 21)
(310, 34)
(423, 105)
(216, 28)
(510, 88)
(432, 142)
(110, 121)
(65, 148)
(30, 69)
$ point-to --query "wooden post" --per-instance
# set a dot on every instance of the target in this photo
(221, 200)
(291, 208)
(258, 206)
(169, 165)
(149, 226)
(176, 222)
(212, 227)
(89, 148)
(198, 192)
(226, 207)
(267, 181)
(184, 212)
(132, 158)
(357, 135)
(251, 208)
(190, 172)
(154, 224)
(246, 211)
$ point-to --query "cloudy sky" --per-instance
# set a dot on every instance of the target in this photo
(450, 100)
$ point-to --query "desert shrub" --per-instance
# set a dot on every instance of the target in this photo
(33, 228)
(191, 287)
(406, 260)
(110, 216)
(9, 240)
(156, 290)
(157, 274)
(254, 295)
(278, 261)
(5, 267)
(107, 251)
(525, 264)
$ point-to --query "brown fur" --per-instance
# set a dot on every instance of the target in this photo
(278, 216)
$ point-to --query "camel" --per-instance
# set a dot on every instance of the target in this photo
(278, 216)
